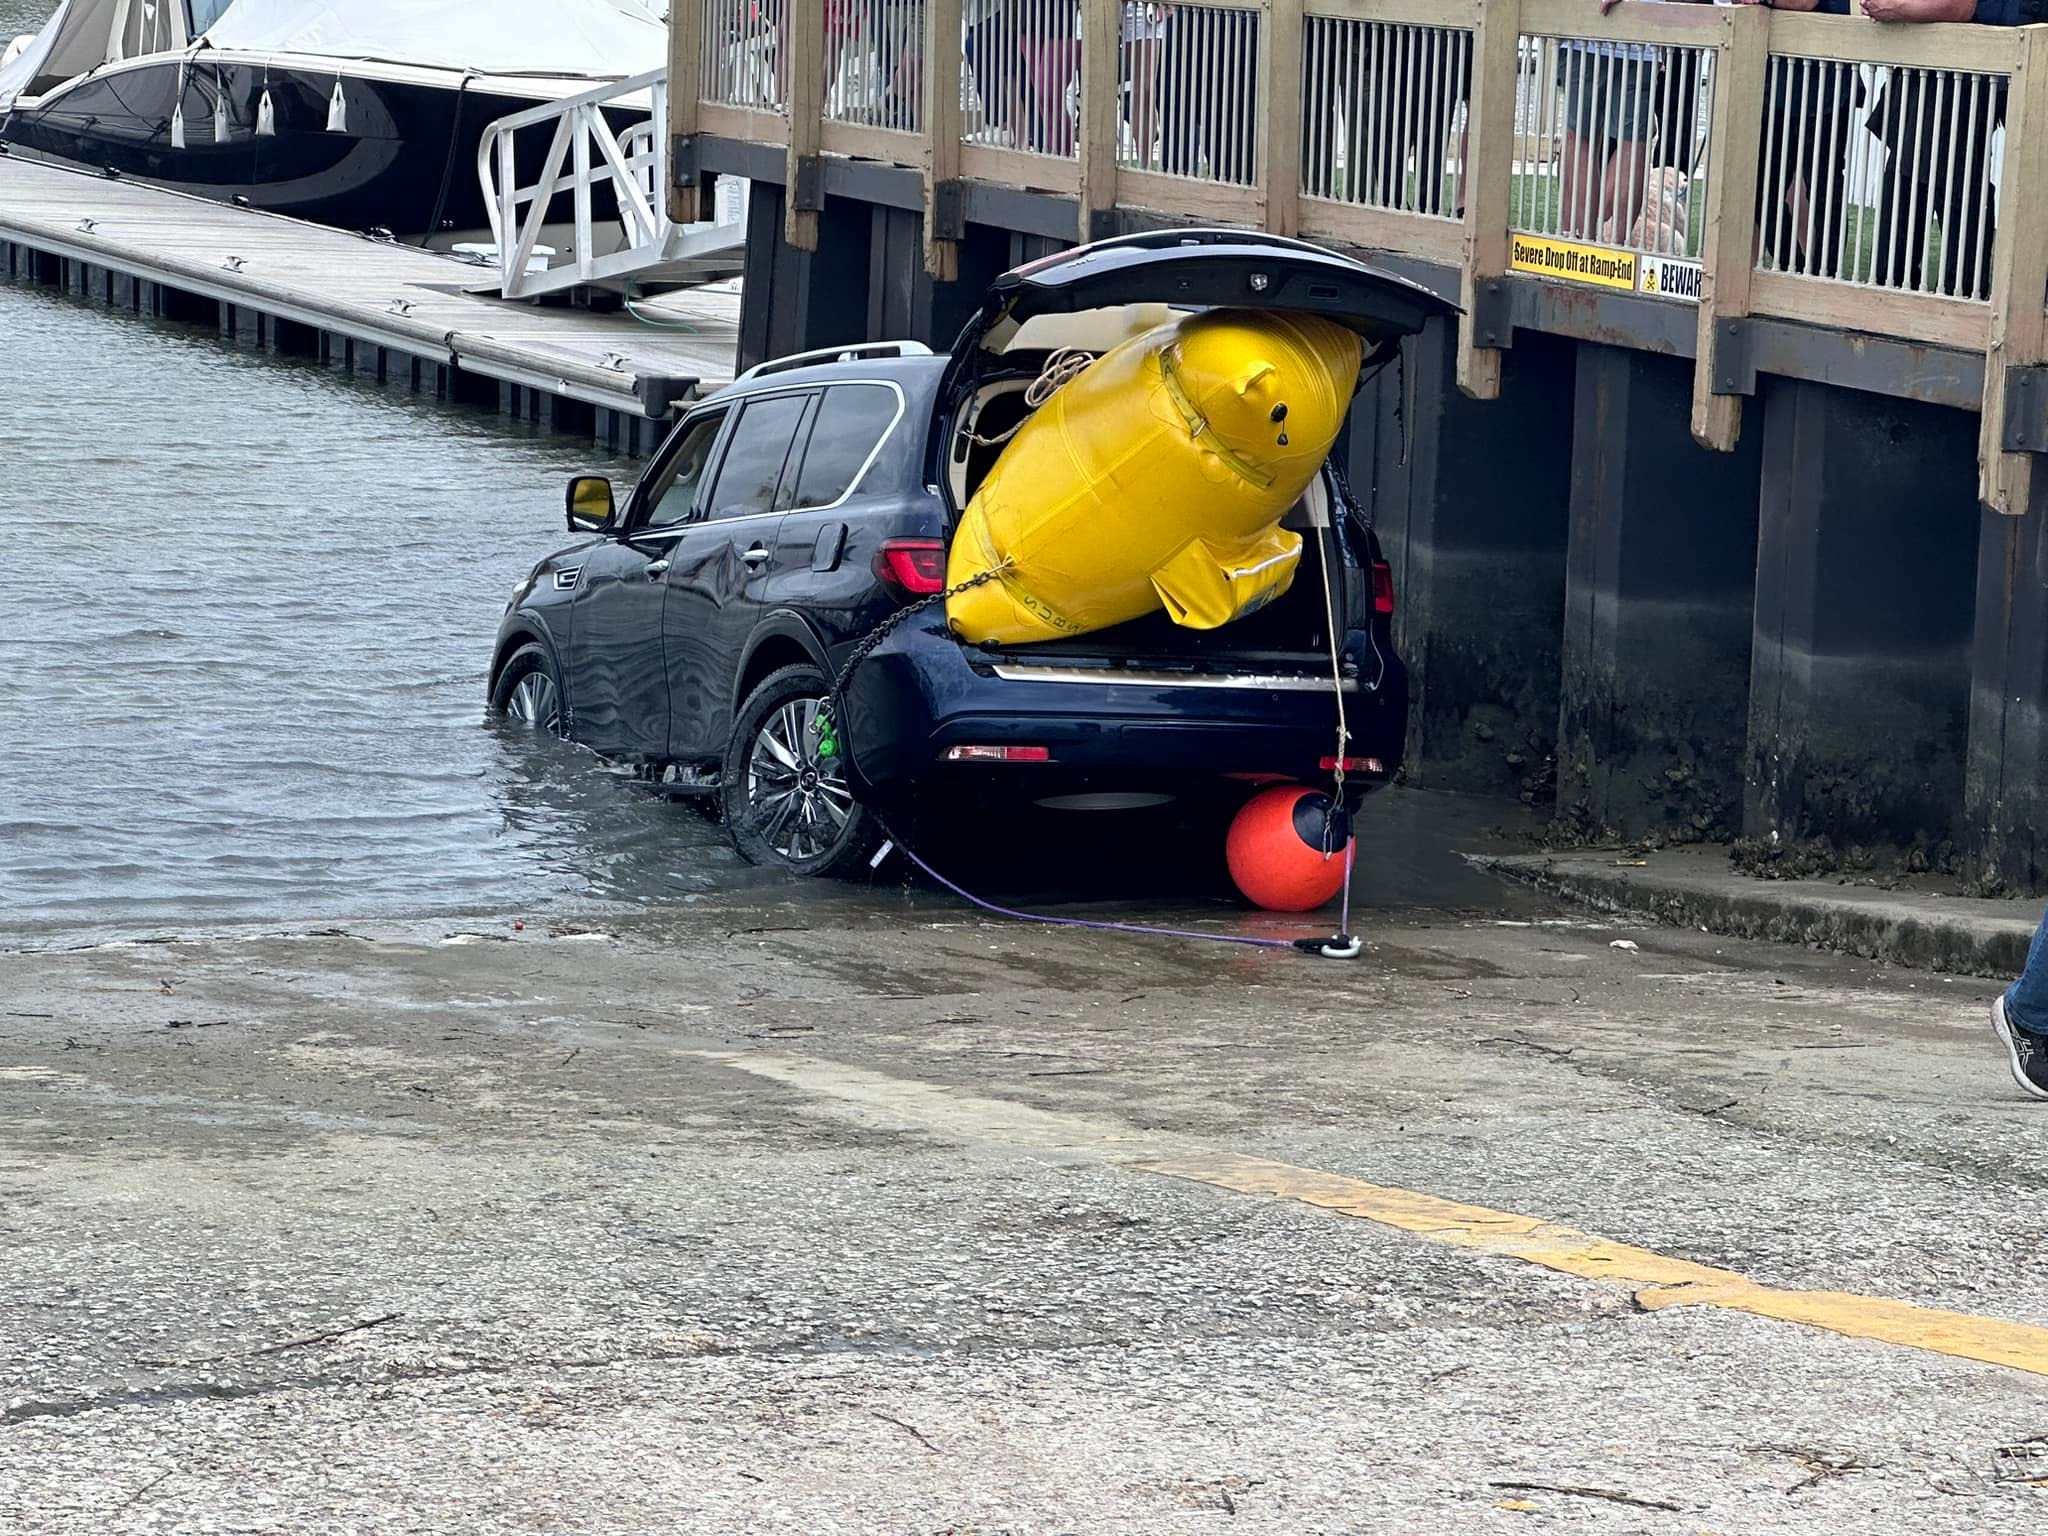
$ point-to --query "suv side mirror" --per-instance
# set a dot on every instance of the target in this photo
(591, 508)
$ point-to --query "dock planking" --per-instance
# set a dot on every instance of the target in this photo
(383, 310)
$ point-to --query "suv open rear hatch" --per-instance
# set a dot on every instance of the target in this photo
(1098, 295)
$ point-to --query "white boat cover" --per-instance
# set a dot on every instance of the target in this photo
(84, 34)
(601, 39)
(26, 65)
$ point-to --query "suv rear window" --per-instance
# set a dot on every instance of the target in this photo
(851, 425)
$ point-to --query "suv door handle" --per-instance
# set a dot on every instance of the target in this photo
(758, 555)
(657, 570)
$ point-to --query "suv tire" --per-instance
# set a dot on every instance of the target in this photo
(529, 694)
(785, 806)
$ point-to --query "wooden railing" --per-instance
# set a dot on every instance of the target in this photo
(1827, 171)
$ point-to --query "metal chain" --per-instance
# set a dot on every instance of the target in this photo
(873, 639)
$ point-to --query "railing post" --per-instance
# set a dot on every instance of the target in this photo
(505, 216)
(586, 235)
(943, 221)
(1280, 141)
(2019, 276)
(1728, 241)
(804, 184)
(685, 89)
(1489, 168)
(660, 175)
(1101, 79)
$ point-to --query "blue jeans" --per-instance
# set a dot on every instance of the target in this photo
(2026, 1001)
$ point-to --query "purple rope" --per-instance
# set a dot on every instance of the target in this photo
(1081, 922)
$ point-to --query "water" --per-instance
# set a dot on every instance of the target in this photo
(18, 16)
(248, 611)
(249, 608)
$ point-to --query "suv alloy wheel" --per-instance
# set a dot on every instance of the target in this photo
(785, 801)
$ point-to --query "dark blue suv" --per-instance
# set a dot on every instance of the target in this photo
(702, 629)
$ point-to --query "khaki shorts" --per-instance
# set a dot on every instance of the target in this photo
(1607, 95)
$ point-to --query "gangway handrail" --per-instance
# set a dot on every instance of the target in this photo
(585, 154)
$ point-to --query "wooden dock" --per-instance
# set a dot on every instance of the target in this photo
(391, 312)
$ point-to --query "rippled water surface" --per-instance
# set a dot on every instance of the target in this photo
(17, 16)
(248, 609)
(249, 606)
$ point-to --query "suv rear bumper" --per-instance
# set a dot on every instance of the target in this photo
(922, 693)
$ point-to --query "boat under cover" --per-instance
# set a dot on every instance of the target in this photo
(360, 113)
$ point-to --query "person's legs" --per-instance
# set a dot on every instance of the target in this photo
(780, 27)
(1141, 70)
(1777, 174)
(1052, 64)
(974, 48)
(2021, 1018)
(1364, 125)
(1582, 139)
(1179, 151)
(1904, 225)
(1828, 196)
(1035, 128)
(2026, 1000)
(1628, 163)
(1450, 186)
(1627, 174)
(903, 69)
(1233, 130)
(1065, 85)
(1606, 116)
(1969, 228)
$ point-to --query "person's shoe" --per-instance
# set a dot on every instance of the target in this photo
(2029, 1053)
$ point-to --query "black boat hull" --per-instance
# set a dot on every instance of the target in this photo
(405, 161)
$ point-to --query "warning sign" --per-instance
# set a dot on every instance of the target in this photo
(1573, 262)
(1667, 279)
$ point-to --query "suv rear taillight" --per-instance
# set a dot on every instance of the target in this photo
(914, 567)
(1382, 587)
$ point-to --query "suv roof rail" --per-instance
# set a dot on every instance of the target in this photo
(852, 354)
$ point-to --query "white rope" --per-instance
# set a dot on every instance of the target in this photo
(1061, 369)
(1342, 946)
(1330, 535)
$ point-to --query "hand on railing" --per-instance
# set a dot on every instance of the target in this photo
(1917, 10)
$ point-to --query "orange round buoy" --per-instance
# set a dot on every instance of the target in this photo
(1276, 853)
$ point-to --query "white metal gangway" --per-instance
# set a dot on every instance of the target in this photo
(608, 158)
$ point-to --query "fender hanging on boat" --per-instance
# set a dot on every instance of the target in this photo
(1158, 479)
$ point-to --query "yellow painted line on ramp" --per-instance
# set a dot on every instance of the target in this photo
(1662, 1281)
(883, 1100)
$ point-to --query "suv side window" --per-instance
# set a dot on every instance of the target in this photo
(754, 461)
(671, 496)
(852, 423)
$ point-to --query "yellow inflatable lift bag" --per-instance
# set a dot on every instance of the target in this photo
(1156, 479)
